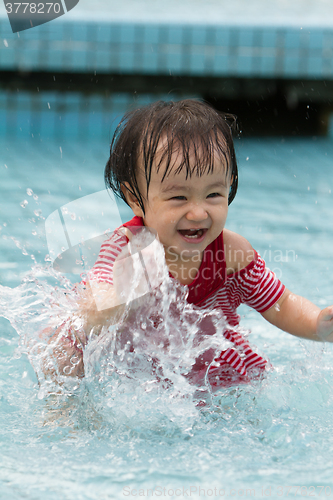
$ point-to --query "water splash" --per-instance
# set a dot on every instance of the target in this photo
(148, 359)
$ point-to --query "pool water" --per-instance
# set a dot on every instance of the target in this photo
(138, 437)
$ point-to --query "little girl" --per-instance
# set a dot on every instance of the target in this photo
(174, 164)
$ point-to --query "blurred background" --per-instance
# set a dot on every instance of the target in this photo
(271, 63)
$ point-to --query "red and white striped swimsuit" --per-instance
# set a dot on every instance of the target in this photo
(212, 288)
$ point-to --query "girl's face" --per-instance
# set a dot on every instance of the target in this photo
(187, 214)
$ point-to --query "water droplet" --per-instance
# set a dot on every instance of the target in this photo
(5, 165)
(30, 192)
(34, 232)
(5, 42)
(38, 213)
(73, 216)
(35, 197)
(247, 158)
(49, 106)
(64, 210)
(75, 360)
(24, 203)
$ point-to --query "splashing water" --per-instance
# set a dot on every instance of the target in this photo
(145, 360)
(137, 397)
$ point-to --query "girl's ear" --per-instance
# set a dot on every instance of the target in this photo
(132, 199)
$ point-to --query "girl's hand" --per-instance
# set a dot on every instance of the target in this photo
(325, 324)
(63, 354)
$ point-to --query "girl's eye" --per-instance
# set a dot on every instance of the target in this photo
(178, 198)
(213, 195)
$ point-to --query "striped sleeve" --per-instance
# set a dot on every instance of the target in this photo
(102, 271)
(258, 286)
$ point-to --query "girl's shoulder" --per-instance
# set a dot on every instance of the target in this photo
(237, 250)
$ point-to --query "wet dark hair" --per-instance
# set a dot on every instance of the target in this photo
(189, 126)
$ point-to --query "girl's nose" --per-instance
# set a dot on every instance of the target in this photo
(197, 213)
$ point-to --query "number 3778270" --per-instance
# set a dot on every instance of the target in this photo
(32, 8)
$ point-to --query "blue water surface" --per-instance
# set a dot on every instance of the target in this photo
(102, 442)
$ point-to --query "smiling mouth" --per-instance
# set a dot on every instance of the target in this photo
(192, 233)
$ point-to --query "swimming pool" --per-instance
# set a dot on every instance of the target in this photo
(252, 441)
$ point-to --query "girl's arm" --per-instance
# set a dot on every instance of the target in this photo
(291, 313)
(64, 355)
(296, 315)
